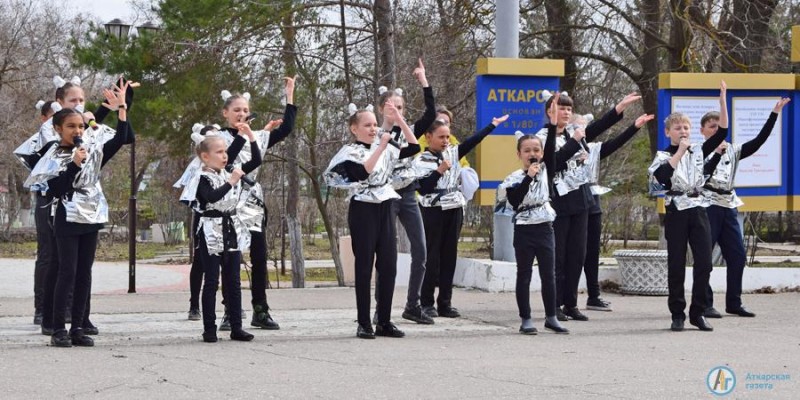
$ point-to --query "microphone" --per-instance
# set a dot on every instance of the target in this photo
(78, 142)
(93, 124)
(250, 117)
(244, 178)
(533, 160)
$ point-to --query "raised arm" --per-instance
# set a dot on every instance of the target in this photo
(473, 141)
(752, 146)
(424, 122)
(289, 114)
(612, 145)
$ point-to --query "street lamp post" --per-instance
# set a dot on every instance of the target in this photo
(121, 30)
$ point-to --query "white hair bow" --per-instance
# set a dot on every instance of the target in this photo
(59, 82)
(55, 106)
(225, 95)
(246, 96)
(39, 105)
(518, 135)
(546, 94)
(352, 109)
(384, 89)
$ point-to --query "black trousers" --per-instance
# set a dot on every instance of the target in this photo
(442, 230)
(535, 241)
(570, 233)
(681, 229)
(45, 249)
(258, 262)
(74, 274)
(374, 240)
(229, 262)
(726, 232)
(591, 264)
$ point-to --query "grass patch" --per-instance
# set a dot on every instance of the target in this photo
(117, 251)
(312, 274)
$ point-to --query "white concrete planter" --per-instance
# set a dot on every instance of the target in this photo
(643, 272)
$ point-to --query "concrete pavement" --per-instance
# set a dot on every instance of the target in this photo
(147, 349)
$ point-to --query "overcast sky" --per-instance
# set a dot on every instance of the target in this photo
(106, 10)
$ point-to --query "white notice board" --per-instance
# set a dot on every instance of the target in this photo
(695, 108)
(763, 168)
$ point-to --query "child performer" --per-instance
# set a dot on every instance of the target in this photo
(72, 172)
(527, 191)
(365, 169)
(597, 152)
(28, 155)
(404, 181)
(678, 173)
(221, 234)
(572, 199)
(722, 213)
(442, 204)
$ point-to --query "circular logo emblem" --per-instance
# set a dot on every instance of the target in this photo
(721, 381)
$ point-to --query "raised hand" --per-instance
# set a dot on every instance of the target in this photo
(553, 114)
(273, 124)
(244, 130)
(289, 88)
(79, 156)
(627, 101)
(116, 98)
(684, 144)
(533, 170)
(498, 121)
(579, 134)
(392, 113)
(643, 119)
(782, 102)
(419, 73)
(723, 89)
(236, 175)
(444, 166)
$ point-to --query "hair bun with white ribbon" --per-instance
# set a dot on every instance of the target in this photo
(382, 89)
(225, 95)
(39, 105)
(518, 135)
(246, 96)
(55, 107)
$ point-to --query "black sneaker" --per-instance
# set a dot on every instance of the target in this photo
(262, 319)
(448, 312)
(47, 331)
(80, 339)
(677, 325)
(241, 335)
(415, 314)
(365, 332)
(388, 330)
(560, 315)
(194, 314)
(61, 339)
(37, 317)
(430, 311)
(597, 304)
(210, 335)
(89, 328)
(574, 313)
(226, 323)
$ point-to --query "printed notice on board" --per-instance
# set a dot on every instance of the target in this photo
(748, 117)
(695, 108)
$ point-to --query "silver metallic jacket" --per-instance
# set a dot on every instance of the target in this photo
(593, 166)
(404, 172)
(35, 143)
(213, 228)
(251, 208)
(687, 180)
(377, 188)
(535, 207)
(576, 173)
(87, 204)
(723, 179)
(447, 195)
